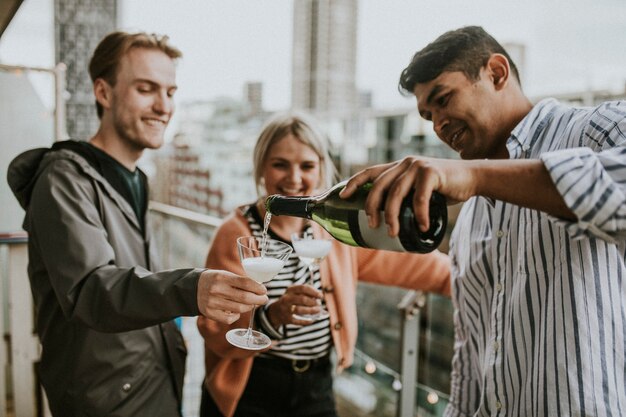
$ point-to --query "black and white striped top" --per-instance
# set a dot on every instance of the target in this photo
(295, 342)
(540, 316)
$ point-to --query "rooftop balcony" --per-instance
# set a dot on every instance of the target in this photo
(400, 341)
(405, 340)
(404, 349)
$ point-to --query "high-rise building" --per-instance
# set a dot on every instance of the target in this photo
(324, 55)
(79, 25)
(253, 95)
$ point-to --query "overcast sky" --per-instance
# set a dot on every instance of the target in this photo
(570, 45)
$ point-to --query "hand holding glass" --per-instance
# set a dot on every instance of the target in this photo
(261, 265)
(311, 251)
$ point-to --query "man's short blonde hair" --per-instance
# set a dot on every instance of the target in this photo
(109, 52)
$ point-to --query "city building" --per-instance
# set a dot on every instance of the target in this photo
(208, 166)
(253, 94)
(324, 55)
(78, 27)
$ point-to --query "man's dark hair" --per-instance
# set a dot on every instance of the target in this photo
(466, 49)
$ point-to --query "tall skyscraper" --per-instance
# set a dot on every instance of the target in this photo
(253, 95)
(324, 55)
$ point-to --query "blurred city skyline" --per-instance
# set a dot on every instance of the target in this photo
(571, 46)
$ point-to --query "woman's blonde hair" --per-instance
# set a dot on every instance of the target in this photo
(303, 128)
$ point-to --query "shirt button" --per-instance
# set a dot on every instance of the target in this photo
(126, 387)
(499, 233)
(498, 287)
(498, 405)
(496, 345)
(338, 326)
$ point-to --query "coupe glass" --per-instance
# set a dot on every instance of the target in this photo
(311, 251)
(260, 264)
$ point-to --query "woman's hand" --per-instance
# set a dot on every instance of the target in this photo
(297, 299)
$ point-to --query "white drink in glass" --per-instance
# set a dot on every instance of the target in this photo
(312, 250)
(262, 269)
(262, 259)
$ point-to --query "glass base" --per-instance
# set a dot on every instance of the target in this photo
(323, 314)
(252, 340)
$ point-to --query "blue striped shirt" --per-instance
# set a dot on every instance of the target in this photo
(540, 317)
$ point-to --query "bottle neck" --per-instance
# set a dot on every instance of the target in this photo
(289, 206)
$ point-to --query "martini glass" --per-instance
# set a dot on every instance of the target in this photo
(260, 264)
(311, 251)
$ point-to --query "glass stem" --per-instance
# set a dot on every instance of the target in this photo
(249, 331)
(311, 274)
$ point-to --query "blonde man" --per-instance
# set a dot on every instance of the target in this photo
(104, 316)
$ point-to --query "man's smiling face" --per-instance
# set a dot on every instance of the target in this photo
(465, 113)
(142, 99)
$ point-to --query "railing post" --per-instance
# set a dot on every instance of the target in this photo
(409, 309)
(60, 131)
(23, 345)
(4, 357)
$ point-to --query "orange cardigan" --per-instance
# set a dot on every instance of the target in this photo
(228, 368)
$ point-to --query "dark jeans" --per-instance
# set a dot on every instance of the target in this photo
(275, 389)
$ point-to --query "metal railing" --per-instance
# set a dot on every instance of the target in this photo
(183, 238)
(390, 389)
(410, 309)
(60, 93)
(19, 393)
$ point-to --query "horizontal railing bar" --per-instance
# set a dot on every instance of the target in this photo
(184, 214)
(6, 67)
(411, 301)
(380, 366)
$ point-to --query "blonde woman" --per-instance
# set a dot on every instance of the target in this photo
(294, 376)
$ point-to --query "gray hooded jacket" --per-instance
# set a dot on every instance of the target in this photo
(109, 347)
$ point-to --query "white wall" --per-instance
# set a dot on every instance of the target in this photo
(24, 123)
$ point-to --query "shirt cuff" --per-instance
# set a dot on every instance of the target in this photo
(586, 189)
(264, 323)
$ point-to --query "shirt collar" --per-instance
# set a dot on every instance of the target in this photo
(521, 139)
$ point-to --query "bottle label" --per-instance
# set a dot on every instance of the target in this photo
(378, 238)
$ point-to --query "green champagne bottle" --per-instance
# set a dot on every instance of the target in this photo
(346, 221)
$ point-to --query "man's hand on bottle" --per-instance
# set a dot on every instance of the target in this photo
(452, 178)
(223, 296)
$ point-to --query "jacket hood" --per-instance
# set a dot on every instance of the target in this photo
(26, 167)
(23, 172)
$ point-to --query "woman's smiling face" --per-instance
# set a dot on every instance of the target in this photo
(291, 168)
